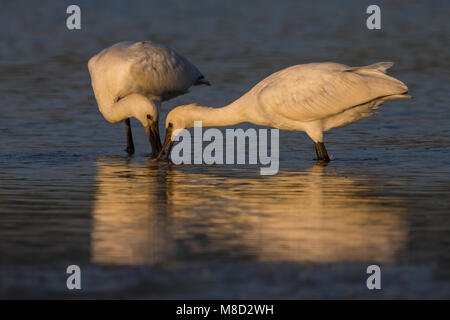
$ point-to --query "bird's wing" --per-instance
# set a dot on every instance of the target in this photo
(315, 91)
(160, 71)
(143, 67)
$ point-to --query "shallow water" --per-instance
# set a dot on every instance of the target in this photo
(139, 228)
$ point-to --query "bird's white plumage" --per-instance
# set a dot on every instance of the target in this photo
(144, 68)
(311, 97)
(316, 91)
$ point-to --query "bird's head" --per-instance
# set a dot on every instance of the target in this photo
(179, 118)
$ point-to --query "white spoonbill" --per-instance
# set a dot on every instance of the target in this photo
(130, 79)
(313, 98)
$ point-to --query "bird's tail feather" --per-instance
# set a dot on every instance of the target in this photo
(380, 81)
(391, 97)
(380, 66)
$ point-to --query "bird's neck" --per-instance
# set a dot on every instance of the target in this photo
(133, 105)
(228, 115)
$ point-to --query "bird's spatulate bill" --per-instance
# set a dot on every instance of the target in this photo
(154, 138)
(130, 143)
(167, 141)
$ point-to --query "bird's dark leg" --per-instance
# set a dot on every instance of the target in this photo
(130, 144)
(321, 151)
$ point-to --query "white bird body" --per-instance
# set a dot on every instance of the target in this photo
(130, 79)
(313, 98)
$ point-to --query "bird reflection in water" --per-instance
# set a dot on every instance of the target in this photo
(150, 213)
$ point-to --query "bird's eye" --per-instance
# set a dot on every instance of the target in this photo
(170, 125)
(149, 117)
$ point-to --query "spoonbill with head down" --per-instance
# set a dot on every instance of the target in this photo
(130, 79)
(313, 98)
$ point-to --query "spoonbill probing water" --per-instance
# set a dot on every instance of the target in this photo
(130, 79)
(313, 98)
